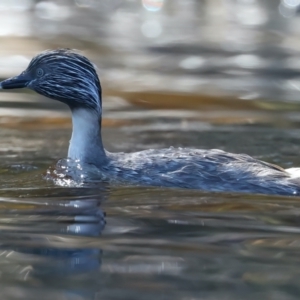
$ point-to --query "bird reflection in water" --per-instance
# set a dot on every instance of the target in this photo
(49, 241)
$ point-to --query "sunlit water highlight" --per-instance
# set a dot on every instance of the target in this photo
(62, 241)
(116, 242)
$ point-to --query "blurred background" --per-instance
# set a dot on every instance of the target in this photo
(186, 73)
(166, 67)
(224, 49)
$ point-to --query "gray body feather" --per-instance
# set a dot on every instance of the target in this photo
(213, 170)
(69, 77)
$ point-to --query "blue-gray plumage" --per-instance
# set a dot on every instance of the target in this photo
(71, 78)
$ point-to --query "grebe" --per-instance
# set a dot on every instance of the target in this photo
(69, 77)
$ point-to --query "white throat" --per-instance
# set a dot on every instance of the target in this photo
(86, 143)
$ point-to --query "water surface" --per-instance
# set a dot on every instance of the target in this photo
(110, 242)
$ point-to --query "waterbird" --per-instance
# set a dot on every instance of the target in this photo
(68, 76)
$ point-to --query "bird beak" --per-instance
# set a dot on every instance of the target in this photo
(16, 82)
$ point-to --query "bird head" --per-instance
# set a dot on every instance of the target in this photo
(63, 75)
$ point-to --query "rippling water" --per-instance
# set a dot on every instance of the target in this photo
(126, 242)
(203, 74)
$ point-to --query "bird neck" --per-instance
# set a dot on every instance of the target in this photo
(86, 142)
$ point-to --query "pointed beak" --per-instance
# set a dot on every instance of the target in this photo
(16, 82)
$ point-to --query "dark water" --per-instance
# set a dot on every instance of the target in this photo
(126, 243)
(187, 73)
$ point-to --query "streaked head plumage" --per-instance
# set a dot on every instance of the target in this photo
(63, 75)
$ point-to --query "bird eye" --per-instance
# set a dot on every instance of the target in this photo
(39, 72)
